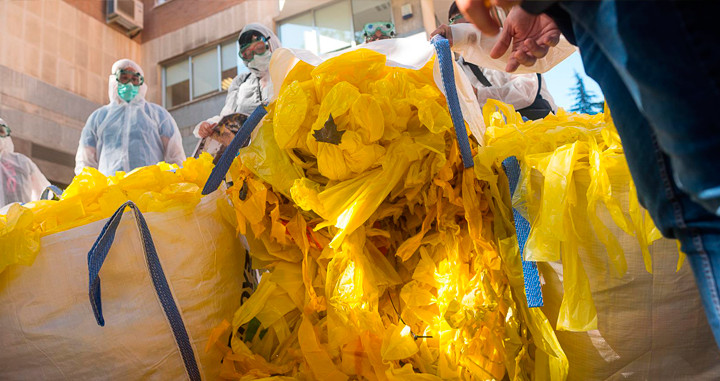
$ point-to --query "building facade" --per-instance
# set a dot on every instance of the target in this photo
(56, 57)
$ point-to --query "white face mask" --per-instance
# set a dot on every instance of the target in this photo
(260, 63)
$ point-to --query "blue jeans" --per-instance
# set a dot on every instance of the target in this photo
(659, 68)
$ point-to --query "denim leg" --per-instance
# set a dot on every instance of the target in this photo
(607, 56)
(706, 269)
(666, 54)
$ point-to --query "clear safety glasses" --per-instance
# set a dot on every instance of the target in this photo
(248, 51)
(127, 76)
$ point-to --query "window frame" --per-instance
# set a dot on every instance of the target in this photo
(315, 27)
(188, 57)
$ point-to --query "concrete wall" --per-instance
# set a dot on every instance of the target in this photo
(409, 26)
(54, 65)
(53, 41)
(94, 9)
(45, 120)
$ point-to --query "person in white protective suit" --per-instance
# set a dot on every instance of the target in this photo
(20, 179)
(381, 30)
(528, 93)
(129, 132)
(248, 90)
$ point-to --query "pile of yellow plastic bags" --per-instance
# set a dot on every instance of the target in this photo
(381, 249)
(92, 196)
(385, 258)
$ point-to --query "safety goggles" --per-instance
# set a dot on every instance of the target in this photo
(249, 50)
(127, 76)
(386, 29)
(456, 18)
(4, 131)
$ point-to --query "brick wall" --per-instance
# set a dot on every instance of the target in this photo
(94, 9)
(176, 14)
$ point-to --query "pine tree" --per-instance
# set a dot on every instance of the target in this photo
(585, 101)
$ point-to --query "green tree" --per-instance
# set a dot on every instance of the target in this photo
(586, 101)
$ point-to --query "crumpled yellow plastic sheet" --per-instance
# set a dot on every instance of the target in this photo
(581, 167)
(93, 196)
(385, 258)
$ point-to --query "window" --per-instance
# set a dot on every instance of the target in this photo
(229, 64)
(366, 11)
(299, 32)
(332, 27)
(206, 72)
(177, 84)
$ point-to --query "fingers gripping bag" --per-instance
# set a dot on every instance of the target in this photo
(622, 303)
(380, 249)
(90, 292)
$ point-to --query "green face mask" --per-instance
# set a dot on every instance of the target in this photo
(127, 91)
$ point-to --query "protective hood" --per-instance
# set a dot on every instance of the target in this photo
(272, 40)
(6, 144)
(113, 83)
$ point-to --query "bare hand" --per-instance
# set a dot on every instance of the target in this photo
(531, 36)
(206, 129)
(445, 31)
(478, 12)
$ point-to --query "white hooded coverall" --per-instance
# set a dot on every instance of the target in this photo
(122, 136)
(20, 178)
(248, 91)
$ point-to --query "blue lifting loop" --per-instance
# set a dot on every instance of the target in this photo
(240, 140)
(533, 292)
(96, 258)
(445, 61)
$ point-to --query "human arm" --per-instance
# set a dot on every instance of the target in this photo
(479, 12)
(86, 155)
(205, 128)
(173, 151)
(518, 90)
(37, 181)
(476, 47)
(530, 34)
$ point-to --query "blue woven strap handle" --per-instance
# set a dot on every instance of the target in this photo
(531, 276)
(51, 188)
(97, 256)
(240, 140)
(445, 61)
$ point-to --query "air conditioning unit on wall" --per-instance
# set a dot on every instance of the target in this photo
(127, 13)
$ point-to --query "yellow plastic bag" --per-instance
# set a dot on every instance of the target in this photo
(92, 196)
